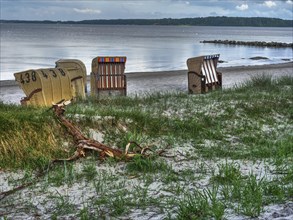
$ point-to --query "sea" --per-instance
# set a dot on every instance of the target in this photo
(147, 48)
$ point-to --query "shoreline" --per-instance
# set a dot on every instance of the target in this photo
(11, 82)
(166, 81)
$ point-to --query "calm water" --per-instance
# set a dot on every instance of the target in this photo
(148, 48)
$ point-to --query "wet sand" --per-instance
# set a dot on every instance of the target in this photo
(167, 81)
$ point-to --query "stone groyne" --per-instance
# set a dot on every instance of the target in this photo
(250, 43)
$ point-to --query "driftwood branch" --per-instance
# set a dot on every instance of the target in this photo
(85, 143)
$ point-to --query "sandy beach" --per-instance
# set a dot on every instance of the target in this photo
(166, 81)
(93, 185)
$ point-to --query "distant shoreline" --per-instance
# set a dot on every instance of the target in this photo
(198, 21)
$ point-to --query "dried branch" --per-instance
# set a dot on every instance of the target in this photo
(90, 144)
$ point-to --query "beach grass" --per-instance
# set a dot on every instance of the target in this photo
(227, 153)
(29, 137)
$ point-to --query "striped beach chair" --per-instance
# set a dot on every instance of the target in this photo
(202, 74)
(107, 76)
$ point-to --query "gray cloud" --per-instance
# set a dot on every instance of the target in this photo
(87, 10)
(270, 4)
(242, 7)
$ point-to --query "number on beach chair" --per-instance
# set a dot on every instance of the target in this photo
(31, 83)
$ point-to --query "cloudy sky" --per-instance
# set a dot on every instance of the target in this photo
(114, 9)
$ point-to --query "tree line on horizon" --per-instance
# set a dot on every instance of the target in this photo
(202, 21)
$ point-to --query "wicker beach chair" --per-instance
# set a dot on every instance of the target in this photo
(44, 87)
(107, 76)
(77, 75)
(202, 74)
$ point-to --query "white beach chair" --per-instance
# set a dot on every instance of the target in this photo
(202, 74)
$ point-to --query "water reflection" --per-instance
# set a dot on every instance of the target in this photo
(148, 48)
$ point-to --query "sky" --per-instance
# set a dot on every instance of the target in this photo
(77, 10)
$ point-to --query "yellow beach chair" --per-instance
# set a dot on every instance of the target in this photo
(77, 75)
(32, 85)
(44, 87)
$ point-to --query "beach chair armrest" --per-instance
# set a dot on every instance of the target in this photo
(125, 85)
(197, 74)
(219, 74)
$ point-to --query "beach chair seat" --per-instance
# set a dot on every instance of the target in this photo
(45, 87)
(202, 74)
(107, 76)
(77, 75)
